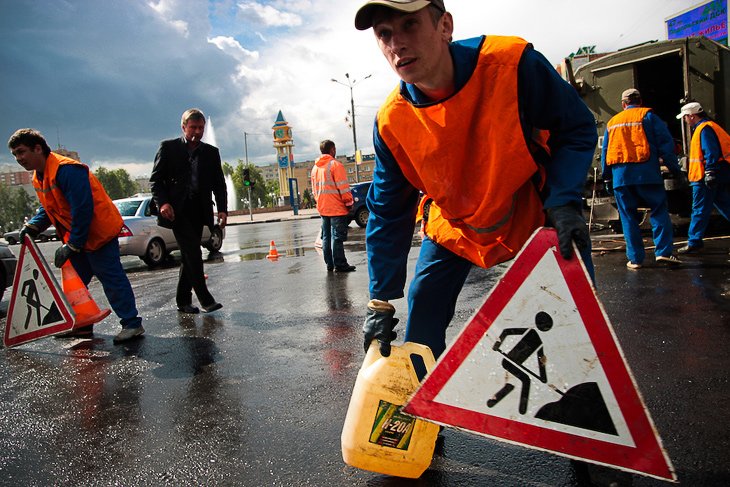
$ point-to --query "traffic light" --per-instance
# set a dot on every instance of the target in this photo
(246, 178)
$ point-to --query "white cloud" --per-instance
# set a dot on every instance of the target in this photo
(258, 13)
(230, 46)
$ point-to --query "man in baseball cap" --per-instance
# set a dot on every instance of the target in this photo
(709, 173)
(692, 108)
(636, 144)
(364, 16)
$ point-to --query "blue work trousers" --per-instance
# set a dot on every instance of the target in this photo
(104, 263)
(628, 200)
(703, 199)
(334, 235)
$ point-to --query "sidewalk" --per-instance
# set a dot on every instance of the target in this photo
(276, 216)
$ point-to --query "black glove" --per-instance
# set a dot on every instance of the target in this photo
(379, 324)
(571, 227)
(710, 179)
(31, 230)
(608, 184)
(63, 253)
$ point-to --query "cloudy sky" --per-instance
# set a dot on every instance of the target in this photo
(110, 78)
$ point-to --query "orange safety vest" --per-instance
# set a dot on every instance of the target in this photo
(697, 157)
(330, 187)
(468, 155)
(627, 140)
(106, 221)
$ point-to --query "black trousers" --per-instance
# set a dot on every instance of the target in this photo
(188, 230)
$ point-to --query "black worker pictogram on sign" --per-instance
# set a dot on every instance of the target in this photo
(38, 308)
(539, 365)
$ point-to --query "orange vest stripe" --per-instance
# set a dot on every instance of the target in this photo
(106, 221)
(696, 156)
(474, 181)
(627, 140)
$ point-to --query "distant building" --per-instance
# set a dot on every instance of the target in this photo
(68, 153)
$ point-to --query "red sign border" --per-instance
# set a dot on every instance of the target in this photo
(647, 457)
(58, 297)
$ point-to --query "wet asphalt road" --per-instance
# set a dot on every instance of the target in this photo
(256, 394)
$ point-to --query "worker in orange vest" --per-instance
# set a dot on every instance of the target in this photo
(492, 136)
(709, 173)
(334, 200)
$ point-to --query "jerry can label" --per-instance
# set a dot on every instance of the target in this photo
(392, 428)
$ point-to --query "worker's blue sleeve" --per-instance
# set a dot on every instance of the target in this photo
(710, 148)
(658, 132)
(392, 202)
(73, 181)
(547, 102)
(40, 219)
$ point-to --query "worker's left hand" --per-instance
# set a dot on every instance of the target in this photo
(571, 227)
(710, 179)
(222, 219)
(63, 253)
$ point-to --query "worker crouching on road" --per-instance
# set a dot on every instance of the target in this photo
(709, 173)
(492, 136)
(88, 223)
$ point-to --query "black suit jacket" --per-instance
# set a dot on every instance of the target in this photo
(170, 179)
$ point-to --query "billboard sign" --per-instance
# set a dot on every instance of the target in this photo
(708, 19)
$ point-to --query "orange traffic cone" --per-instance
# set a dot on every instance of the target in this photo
(273, 253)
(85, 309)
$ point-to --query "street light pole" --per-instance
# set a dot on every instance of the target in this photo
(351, 84)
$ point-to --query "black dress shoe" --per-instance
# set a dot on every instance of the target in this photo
(330, 268)
(212, 307)
(345, 268)
(188, 308)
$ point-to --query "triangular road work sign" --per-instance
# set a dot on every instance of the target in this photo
(37, 307)
(539, 365)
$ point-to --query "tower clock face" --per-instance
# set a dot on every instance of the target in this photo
(279, 133)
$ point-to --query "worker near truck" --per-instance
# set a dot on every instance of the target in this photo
(635, 146)
(492, 136)
(709, 173)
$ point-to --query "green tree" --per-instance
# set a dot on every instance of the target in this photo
(117, 183)
(258, 191)
(272, 192)
(15, 206)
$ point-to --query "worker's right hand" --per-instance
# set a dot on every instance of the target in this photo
(710, 179)
(167, 212)
(379, 324)
(29, 229)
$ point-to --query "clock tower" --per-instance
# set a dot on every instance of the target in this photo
(283, 143)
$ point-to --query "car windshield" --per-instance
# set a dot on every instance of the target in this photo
(129, 207)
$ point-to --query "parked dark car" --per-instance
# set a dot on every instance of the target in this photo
(46, 235)
(7, 267)
(359, 212)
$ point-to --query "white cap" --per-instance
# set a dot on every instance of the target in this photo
(690, 109)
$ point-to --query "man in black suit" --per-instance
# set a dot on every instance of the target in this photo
(185, 173)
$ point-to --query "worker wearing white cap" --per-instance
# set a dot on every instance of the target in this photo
(709, 173)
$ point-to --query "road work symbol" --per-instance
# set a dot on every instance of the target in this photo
(33, 304)
(38, 307)
(538, 364)
(530, 344)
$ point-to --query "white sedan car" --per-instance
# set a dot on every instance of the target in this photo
(143, 237)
